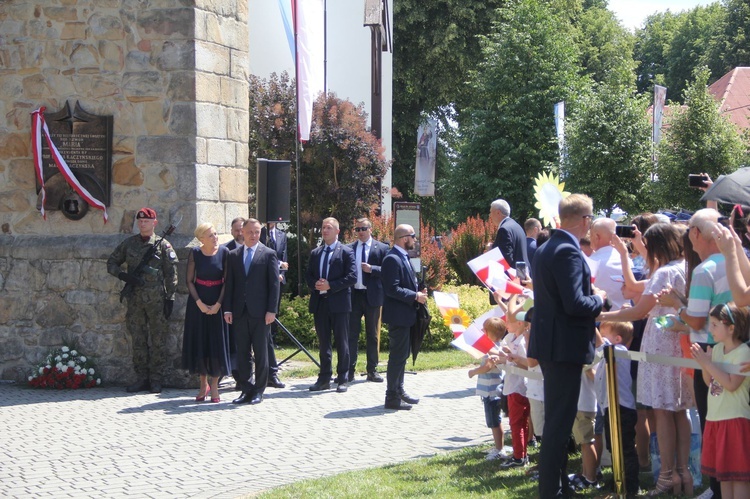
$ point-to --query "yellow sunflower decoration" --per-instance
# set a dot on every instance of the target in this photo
(548, 193)
(456, 316)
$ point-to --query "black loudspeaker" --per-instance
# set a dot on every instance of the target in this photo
(274, 184)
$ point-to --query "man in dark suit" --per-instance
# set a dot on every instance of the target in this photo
(251, 297)
(510, 237)
(276, 240)
(236, 230)
(400, 313)
(331, 273)
(562, 338)
(367, 298)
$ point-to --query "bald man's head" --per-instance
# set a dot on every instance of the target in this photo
(602, 230)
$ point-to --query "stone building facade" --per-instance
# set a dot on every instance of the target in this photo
(174, 75)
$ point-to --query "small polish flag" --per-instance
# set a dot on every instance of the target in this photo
(480, 265)
(498, 281)
(474, 341)
(458, 330)
(445, 301)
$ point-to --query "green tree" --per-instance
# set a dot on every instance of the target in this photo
(650, 49)
(608, 141)
(699, 139)
(606, 47)
(690, 45)
(436, 44)
(508, 137)
(730, 48)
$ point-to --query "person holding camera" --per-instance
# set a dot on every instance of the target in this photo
(150, 304)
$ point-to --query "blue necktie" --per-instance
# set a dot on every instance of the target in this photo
(324, 273)
(248, 260)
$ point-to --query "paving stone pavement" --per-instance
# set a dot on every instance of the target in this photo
(104, 442)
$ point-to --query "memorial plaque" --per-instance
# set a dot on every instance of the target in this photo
(85, 143)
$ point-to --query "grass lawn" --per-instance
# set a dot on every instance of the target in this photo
(463, 473)
(302, 367)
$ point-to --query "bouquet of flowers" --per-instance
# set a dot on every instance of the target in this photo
(65, 367)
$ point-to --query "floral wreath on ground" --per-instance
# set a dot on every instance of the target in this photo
(65, 367)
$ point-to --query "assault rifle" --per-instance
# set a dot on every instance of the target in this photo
(133, 277)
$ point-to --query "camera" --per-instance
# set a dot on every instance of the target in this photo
(697, 180)
(625, 231)
(522, 271)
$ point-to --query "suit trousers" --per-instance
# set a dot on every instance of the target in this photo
(399, 348)
(360, 309)
(252, 332)
(325, 322)
(562, 384)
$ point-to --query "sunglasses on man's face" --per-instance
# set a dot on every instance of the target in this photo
(413, 236)
(361, 229)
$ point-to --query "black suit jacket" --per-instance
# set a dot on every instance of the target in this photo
(511, 239)
(281, 252)
(231, 245)
(400, 289)
(564, 307)
(372, 280)
(342, 274)
(257, 292)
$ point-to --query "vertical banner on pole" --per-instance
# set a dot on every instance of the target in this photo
(424, 177)
(560, 128)
(660, 96)
(309, 27)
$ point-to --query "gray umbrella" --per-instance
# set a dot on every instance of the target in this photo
(731, 189)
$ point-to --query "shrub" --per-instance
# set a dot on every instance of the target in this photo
(294, 316)
(467, 241)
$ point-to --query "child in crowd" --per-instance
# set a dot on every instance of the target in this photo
(489, 377)
(726, 437)
(534, 387)
(584, 430)
(514, 386)
(620, 334)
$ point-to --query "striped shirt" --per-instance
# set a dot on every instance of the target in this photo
(708, 287)
(488, 382)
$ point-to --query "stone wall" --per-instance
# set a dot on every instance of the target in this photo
(173, 73)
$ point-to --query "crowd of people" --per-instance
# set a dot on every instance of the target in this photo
(672, 289)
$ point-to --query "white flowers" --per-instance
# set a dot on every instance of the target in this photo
(65, 349)
(71, 363)
(41, 370)
(64, 367)
(82, 359)
(91, 371)
(98, 381)
(58, 358)
(73, 353)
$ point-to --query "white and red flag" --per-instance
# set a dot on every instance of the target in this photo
(309, 29)
(493, 275)
(480, 265)
(445, 301)
(473, 340)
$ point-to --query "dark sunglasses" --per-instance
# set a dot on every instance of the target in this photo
(361, 229)
(413, 236)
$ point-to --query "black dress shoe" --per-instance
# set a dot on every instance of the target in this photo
(375, 377)
(409, 399)
(341, 388)
(155, 387)
(257, 399)
(275, 382)
(350, 377)
(140, 386)
(243, 399)
(319, 386)
(396, 405)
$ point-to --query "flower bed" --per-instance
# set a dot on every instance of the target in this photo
(65, 368)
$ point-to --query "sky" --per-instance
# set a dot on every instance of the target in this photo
(633, 12)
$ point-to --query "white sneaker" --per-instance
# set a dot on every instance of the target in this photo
(494, 453)
(707, 494)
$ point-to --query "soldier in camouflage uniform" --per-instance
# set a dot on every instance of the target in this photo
(150, 304)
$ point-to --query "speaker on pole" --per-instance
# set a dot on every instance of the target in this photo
(273, 184)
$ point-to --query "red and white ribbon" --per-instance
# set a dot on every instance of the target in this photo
(38, 125)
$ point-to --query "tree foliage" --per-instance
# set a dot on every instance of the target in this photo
(608, 141)
(436, 44)
(606, 47)
(699, 139)
(508, 135)
(340, 165)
